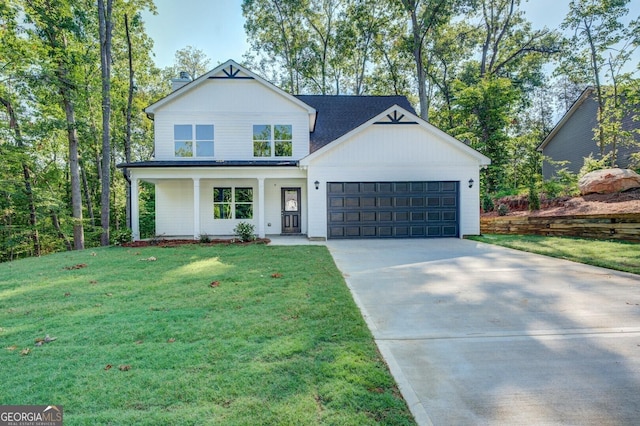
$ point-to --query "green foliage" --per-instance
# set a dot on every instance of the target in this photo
(245, 231)
(147, 210)
(487, 203)
(534, 198)
(503, 210)
(121, 236)
(486, 108)
(563, 184)
(204, 238)
(250, 350)
(592, 164)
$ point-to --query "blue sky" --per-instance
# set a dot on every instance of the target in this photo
(217, 26)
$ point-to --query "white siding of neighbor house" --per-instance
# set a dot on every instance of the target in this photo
(233, 107)
(394, 153)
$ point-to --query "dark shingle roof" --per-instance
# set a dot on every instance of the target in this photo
(338, 115)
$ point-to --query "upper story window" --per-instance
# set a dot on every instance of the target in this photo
(272, 141)
(193, 140)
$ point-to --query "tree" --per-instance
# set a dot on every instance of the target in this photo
(105, 28)
(54, 25)
(192, 60)
(495, 88)
(592, 55)
(426, 17)
(275, 31)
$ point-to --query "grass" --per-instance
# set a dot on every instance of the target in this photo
(277, 340)
(618, 255)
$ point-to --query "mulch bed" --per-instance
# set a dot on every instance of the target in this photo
(177, 243)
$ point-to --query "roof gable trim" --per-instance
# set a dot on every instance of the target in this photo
(398, 111)
(230, 70)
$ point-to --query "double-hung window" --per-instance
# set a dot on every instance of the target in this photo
(232, 203)
(193, 140)
(272, 140)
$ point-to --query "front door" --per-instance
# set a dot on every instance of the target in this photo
(291, 210)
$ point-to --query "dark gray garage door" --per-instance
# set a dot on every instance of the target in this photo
(392, 209)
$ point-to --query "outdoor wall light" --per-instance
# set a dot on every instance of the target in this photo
(317, 184)
(470, 183)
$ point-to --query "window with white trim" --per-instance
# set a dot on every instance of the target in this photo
(193, 140)
(272, 140)
(232, 203)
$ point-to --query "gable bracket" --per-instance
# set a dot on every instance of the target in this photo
(231, 73)
(395, 118)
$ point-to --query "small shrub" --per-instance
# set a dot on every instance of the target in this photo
(204, 238)
(121, 236)
(534, 198)
(563, 184)
(503, 209)
(245, 231)
(487, 203)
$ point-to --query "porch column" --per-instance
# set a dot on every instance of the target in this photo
(261, 207)
(135, 210)
(196, 208)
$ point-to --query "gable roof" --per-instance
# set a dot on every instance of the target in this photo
(398, 115)
(583, 96)
(338, 115)
(230, 70)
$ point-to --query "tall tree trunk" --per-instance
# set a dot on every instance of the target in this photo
(599, 94)
(33, 218)
(127, 138)
(417, 56)
(74, 165)
(87, 192)
(105, 27)
(61, 235)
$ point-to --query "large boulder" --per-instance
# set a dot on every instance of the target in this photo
(608, 181)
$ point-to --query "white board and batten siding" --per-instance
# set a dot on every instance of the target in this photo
(388, 153)
(233, 107)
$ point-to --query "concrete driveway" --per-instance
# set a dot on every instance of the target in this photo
(481, 335)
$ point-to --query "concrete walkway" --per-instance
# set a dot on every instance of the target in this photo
(481, 335)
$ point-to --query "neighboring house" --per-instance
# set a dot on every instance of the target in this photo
(572, 139)
(231, 147)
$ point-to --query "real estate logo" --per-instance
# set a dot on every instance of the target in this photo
(30, 415)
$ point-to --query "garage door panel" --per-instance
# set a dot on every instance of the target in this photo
(336, 202)
(392, 209)
(385, 201)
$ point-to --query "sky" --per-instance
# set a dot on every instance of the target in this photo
(217, 26)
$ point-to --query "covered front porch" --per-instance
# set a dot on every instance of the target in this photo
(195, 202)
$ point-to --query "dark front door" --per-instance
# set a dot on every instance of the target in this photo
(290, 210)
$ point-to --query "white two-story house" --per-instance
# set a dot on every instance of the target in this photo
(231, 147)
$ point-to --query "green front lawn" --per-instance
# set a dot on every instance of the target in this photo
(621, 256)
(243, 335)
